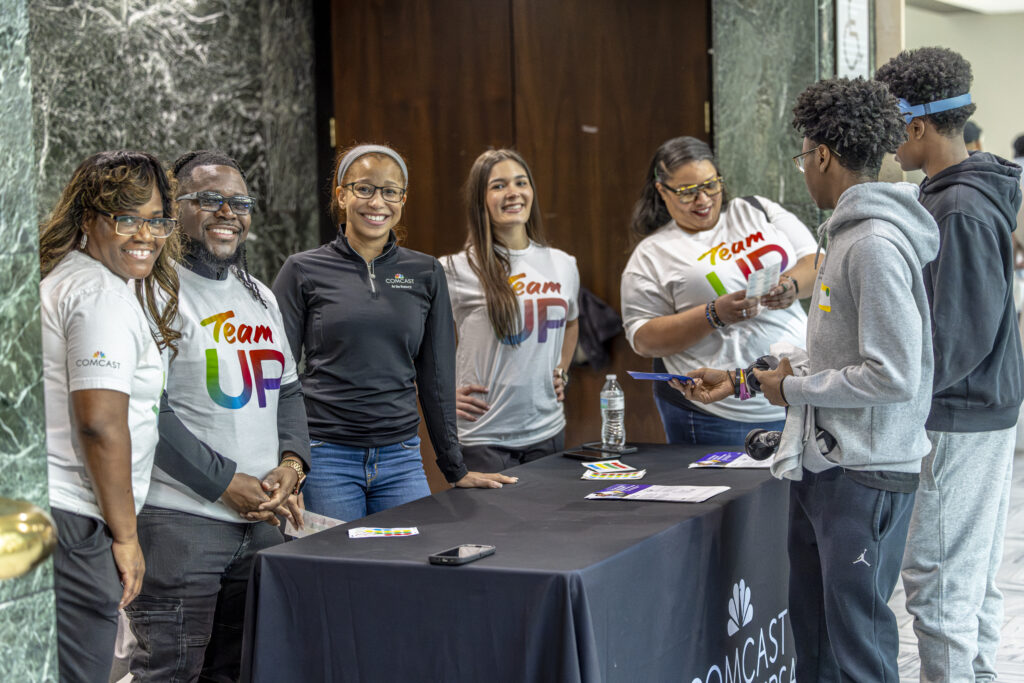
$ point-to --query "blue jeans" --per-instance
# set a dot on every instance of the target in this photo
(188, 618)
(349, 482)
(690, 427)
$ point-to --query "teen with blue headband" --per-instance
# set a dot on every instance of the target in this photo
(374, 322)
(956, 532)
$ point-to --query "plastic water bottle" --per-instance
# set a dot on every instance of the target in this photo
(613, 413)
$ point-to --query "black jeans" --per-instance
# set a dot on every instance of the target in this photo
(494, 458)
(88, 589)
(846, 544)
(188, 618)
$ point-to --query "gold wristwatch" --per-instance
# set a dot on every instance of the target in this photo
(299, 470)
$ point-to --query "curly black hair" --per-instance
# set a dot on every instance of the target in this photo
(858, 119)
(928, 74)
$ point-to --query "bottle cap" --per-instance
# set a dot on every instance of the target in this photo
(609, 377)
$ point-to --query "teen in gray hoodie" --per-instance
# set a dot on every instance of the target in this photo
(869, 385)
(955, 542)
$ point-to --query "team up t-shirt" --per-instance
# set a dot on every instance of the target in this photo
(672, 270)
(225, 382)
(95, 336)
(521, 395)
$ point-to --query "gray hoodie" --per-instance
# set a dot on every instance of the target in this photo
(869, 330)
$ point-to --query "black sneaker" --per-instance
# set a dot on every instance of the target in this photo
(761, 444)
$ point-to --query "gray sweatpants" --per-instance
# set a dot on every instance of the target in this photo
(954, 547)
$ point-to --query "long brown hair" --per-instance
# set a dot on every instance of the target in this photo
(110, 182)
(485, 253)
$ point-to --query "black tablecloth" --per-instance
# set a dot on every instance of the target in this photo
(578, 590)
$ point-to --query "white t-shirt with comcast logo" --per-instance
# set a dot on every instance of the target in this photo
(95, 336)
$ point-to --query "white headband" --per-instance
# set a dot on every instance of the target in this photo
(363, 150)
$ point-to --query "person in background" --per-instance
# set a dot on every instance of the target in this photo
(233, 401)
(515, 301)
(955, 543)
(374, 323)
(109, 299)
(684, 297)
(972, 137)
(868, 386)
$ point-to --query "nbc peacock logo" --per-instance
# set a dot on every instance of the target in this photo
(741, 612)
(400, 281)
(99, 354)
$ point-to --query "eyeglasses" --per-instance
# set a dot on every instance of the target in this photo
(212, 201)
(126, 226)
(366, 190)
(687, 194)
(799, 158)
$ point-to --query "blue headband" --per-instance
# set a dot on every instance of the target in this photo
(363, 150)
(909, 113)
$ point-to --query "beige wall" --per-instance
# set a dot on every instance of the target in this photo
(991, 43)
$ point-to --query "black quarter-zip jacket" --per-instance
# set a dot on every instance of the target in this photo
(372, 333)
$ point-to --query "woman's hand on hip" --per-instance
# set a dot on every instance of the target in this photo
(469, 407)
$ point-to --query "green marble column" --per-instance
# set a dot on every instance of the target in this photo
(27, 634)
(765, 53)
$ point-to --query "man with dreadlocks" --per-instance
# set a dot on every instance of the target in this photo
(233, 445)
(956, 532)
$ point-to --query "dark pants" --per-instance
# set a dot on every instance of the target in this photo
(846, 544)
(493, 458)
(87, 588)
(188, 619)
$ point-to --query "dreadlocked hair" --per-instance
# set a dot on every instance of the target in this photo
(487, 256)
(858, 119)
(110, 182)
(929, 74)
(182, 169)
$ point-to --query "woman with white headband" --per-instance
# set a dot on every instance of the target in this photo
(374, 323)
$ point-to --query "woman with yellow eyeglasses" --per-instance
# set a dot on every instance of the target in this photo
(684, 300)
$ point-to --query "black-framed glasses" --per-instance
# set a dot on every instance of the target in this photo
(688, 193)
(388, 193)
(240, 204)
(126, 226)
(799, 158)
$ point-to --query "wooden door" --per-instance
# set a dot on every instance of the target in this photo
(585, 89)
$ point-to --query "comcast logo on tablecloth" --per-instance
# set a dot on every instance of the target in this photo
(741, 612)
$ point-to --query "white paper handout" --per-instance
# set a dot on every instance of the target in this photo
(311, 524)
(761, 281)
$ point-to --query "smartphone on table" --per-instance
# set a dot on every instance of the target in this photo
(461, 554)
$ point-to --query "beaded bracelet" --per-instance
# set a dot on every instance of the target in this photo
(712, 316)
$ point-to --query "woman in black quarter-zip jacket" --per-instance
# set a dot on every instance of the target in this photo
(374, 323)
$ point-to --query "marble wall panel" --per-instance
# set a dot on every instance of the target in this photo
(29, 654)
(765, 53)
(26, 603)
(168, 76)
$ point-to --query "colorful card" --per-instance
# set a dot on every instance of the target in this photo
(381, 532)
(761, 281)
(600, 476)
(668, 494)
(659, 376)
(608, 466)
(732, 459)
(311, 524)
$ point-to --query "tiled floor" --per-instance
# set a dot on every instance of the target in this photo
(1011, 581)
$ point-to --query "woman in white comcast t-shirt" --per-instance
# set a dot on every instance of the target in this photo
(103, 372)
(515, 302)
(684, 289)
